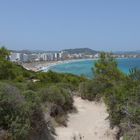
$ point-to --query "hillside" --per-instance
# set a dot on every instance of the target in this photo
(80, 50)
(29, 101)
(33, 104)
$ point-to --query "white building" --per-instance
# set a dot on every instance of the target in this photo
(24, 57)
(96, 55)
(56, 56)
(60, 55)
(43, 57)
(14, 57)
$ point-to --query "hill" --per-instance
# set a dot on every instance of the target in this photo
(80, 50)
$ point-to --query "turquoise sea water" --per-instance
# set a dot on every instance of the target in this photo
(84, 67)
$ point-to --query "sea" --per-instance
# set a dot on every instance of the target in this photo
(84, 67)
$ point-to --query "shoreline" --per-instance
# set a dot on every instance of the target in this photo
(46, 65)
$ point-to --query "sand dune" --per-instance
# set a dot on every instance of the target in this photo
(89, 123)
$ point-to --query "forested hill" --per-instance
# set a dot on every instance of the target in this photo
(81, 50)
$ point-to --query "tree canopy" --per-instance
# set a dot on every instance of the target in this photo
(4, 53)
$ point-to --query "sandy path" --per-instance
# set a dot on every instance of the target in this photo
(88, 124)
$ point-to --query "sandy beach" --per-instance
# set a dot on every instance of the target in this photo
(89, 123)
(46, 65)
(39, 66)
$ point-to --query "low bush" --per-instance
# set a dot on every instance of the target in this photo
(58, 96)
(21, 116)
(14, 117)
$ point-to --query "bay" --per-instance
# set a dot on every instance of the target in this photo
(84, 67)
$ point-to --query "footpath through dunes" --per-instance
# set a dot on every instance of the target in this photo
(89, 123)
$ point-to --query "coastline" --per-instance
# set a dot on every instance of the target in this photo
(46, 65)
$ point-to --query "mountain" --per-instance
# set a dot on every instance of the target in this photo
(80, 50)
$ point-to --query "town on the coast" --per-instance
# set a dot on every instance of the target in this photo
(25, 56)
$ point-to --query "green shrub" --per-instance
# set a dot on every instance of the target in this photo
(13, 116)
(58, 96)
(32, 98)
(90, 90)
(53, 95)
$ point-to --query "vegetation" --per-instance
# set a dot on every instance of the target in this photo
(120, 92)
(4, 53)
(25, 97)
(81, 50)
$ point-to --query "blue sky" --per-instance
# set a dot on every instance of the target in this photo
(110, 25)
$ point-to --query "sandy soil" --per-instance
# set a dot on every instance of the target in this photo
(45, 65)
(89, 123)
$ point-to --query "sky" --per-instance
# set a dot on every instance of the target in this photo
(106, 25)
